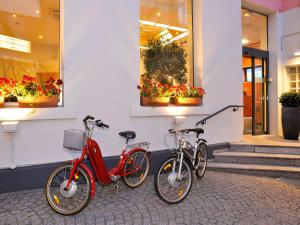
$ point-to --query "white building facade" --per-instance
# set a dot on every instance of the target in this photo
(100, 64)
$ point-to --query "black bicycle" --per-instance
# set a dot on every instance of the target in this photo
(174, 179)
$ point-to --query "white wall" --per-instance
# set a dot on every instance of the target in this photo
(284, 40)
(101, 71)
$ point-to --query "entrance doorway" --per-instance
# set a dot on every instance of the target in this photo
(255, 91)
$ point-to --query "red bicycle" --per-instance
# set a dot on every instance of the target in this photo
(72, 185)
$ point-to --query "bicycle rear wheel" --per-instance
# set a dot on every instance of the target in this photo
(168, 186)
(75, 198)
(137, 167)
(202, 160)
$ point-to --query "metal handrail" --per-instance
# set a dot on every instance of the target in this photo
(235, 108)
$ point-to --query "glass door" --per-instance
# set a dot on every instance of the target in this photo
(259, 84)
(255, 91)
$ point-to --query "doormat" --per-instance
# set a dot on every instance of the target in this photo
(291, 182)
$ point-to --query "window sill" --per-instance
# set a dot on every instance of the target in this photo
(19, 114)
(141, 111)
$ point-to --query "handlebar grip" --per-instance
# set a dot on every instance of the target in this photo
(88, 117)
(171, 130)
(105, 125)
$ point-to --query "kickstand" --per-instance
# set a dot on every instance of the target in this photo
(117, 187)
(196, 179)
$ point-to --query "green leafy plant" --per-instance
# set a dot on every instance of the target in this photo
(290, 99)
(163, 61)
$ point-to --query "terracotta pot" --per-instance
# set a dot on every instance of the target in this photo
(159, 101)
(38, 102)
(179, 101)
(1, 102)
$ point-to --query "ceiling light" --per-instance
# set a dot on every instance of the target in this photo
(180, 36)
(165, 26)
(245, 41)
(14, 15)
(40, 36)
(297, 52)
(158, 14)
(37, 11)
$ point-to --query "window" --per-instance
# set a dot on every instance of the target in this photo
(166, 48)
(254, 30)
(293, 73)
(30, 52)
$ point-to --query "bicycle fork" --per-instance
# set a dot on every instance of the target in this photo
(180, 166)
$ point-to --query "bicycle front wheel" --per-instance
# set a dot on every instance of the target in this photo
(136, 169)
(71, 200)
(169, 185)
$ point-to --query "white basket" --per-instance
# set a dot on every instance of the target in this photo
(74, 139)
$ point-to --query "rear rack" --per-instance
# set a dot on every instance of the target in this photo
(145, 145)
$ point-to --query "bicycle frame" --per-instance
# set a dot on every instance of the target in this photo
(182, 152)
(93, 152)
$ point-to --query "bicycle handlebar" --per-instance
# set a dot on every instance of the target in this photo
(97, 123)
(195, 130)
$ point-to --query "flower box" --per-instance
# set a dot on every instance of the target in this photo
(38, 102)
(1, 102)
(180, 101)
(156, 101)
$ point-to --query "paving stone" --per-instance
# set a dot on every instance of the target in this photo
(221, 198)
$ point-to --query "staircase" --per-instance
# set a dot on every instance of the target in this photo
(275, 161)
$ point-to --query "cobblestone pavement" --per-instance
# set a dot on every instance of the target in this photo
(220, 198)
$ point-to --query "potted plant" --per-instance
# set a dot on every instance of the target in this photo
(6, 89)
(51, 90)
(31, 94)
(188, 96)
(290, 115)
(165, 62)
(154, 94)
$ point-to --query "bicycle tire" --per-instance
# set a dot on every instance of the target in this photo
(144, 175)
(157, 175)
(48, 194)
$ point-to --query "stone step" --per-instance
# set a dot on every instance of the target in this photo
(257, 158)
(265, 149)
(254, 169)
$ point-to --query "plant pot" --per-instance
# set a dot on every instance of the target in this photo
(180, 101)
(161, 101)
(38, 102)
(1, 102)
(291, 122)
(158, 101)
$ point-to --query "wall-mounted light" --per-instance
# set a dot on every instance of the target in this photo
(245, 41)
(15, 114)
(297, 52)
(10, 126)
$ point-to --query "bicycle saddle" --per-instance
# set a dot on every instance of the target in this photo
(128, 134)
(196, 130)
